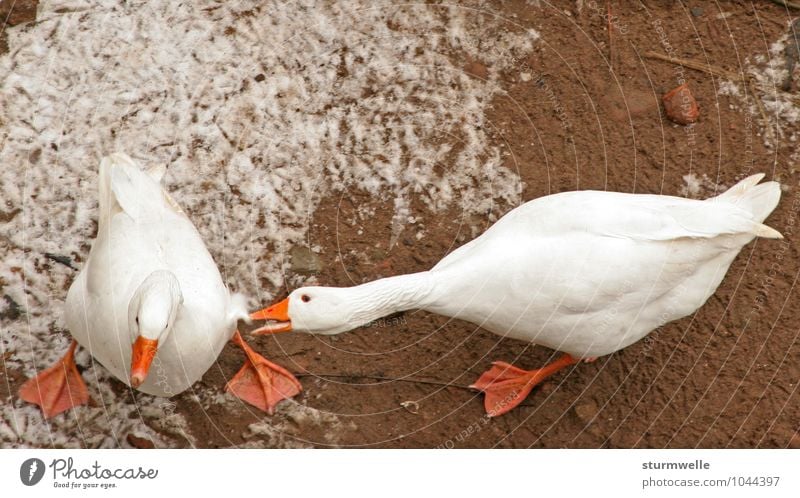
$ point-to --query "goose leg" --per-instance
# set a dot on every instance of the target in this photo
(505, 386)
(58, 388)
(260, 382)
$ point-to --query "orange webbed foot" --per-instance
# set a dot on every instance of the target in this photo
(58, 388)
(506, 386)
(260, 382)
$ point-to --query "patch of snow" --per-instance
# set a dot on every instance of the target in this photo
(728, 88)
(105, 423)
(701, 187)
(291, 422)
(692, 188)
(769, 76)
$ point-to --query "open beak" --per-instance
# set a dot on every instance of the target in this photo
(143, 352)
(279, 313)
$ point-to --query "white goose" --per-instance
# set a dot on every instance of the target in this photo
(586, 273)
(151, 295)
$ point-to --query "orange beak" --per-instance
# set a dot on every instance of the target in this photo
(143, 352)
(277, 312)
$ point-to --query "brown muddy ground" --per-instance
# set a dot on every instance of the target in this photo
(726, 376)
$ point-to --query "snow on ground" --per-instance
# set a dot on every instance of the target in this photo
(769, 74)
(259, 110)
(700, 187)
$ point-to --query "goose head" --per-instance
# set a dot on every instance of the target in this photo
(315, 310)
(151, 315)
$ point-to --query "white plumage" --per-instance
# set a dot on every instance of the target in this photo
(141, 230)
(586, 273)
(589, 273)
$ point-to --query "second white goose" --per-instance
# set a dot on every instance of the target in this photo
(586, 273)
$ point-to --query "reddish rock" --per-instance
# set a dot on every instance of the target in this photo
(13, 12)
(142, 443)
(680, 105)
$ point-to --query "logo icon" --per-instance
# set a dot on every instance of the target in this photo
(31, 471)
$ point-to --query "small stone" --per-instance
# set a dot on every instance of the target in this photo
(304, 261)
(525, 77)
(680, 105)
(586, 411)
(475, 68)
(697, 11)
(13, 12)
(142, 443)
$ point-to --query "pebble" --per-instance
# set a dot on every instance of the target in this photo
(304, 261)
(697, 11)
(680, 105)
(142, 443)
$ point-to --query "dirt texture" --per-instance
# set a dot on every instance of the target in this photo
(583, 110)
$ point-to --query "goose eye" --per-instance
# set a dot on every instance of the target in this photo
(306, 298)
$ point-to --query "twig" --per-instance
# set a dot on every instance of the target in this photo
(379, 377)
(722, 73)
(698, 66)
